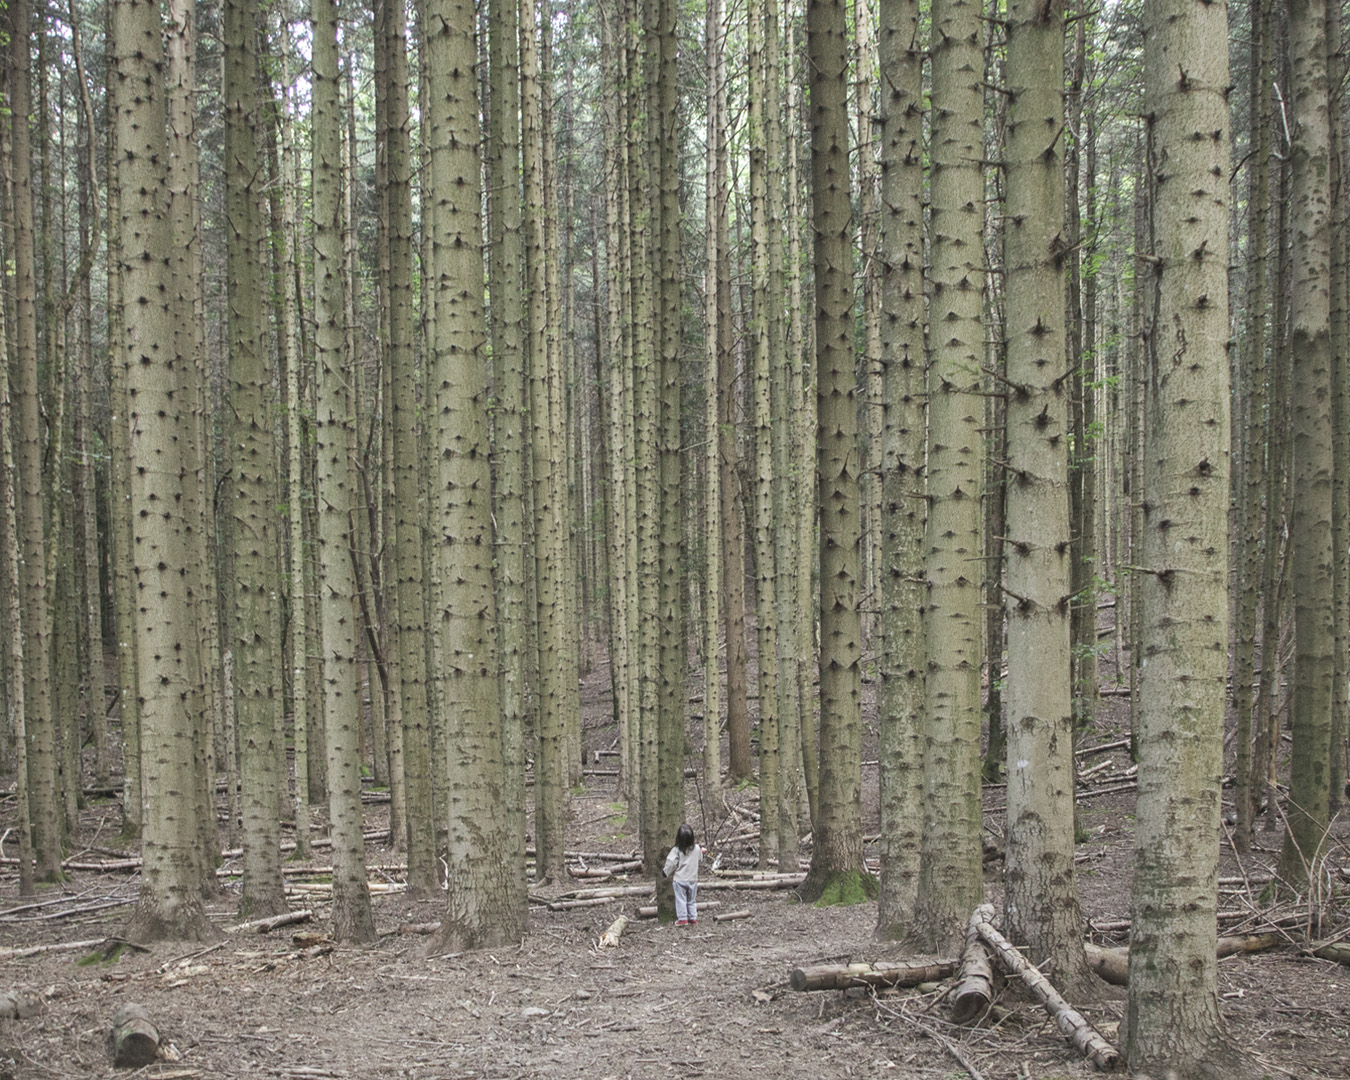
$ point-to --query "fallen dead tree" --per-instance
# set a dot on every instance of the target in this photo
(1331, 950)
(1113, 964)
(881, 973)
(975, 992)
(1071, 1024)
(267, 925)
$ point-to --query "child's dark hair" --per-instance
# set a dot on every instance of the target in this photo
(684, 837)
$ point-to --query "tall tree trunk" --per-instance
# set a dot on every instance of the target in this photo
(900, 696)
(715, 258)
(1174, 1025)
(550, 763)
(14, 645)
(949, 878)
(763, 355)
(1250, 396)
(511, 500)
(168, 669)
(337, 499)
(1041, 896)
(252, 493)
(1310, 531)
(39, 722)
(485, 906)
(836, 850)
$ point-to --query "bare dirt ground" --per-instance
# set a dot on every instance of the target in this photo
(707, 1000)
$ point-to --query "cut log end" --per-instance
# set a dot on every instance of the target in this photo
(134, 1038)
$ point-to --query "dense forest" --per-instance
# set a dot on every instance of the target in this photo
(371, 375)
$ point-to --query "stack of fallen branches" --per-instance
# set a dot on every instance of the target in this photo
(973, 994)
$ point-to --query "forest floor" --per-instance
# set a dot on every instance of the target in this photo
(706, 1000)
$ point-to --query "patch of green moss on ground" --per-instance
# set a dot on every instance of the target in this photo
(855, 887)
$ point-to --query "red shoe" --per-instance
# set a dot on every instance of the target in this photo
(681, 922)
(693, 922)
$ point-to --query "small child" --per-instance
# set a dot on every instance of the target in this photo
(682, 863)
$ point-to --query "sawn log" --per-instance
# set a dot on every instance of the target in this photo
(134, 1038)
(882, 973)
(975, 991)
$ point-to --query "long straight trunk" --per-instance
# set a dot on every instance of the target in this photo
(169, 672)
(900, 697)
(950, 875)
(337, 497)
(1174, 1026)
(1041, 897)
(252, 494)
(485, 905)
(763, 355)
(549, 545)
(836, 851)
(119, 493)
(1310, 533)
(13, 651)
(511, 501)
(715, 212)
(40, 725)
(1250, 396)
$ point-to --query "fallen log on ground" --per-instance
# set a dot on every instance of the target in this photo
(779, 881)
(1332, 950)
(1113, 964)
(60, 946)
(729, 916)
(975, 991)
(610, 938)
(19, 1004)
(134, 1038)
(648, 911)
(1072, 1025)
(267, 925)
(882, 973)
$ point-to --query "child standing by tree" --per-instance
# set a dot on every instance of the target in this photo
(682, 867)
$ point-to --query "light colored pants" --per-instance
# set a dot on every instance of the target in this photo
(686, 901)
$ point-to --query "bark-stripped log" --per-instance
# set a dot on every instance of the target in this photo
(264, 926)
(134, 1038)
(610, 938)
(975, 991)
(1072, 1025)
(899, 973)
